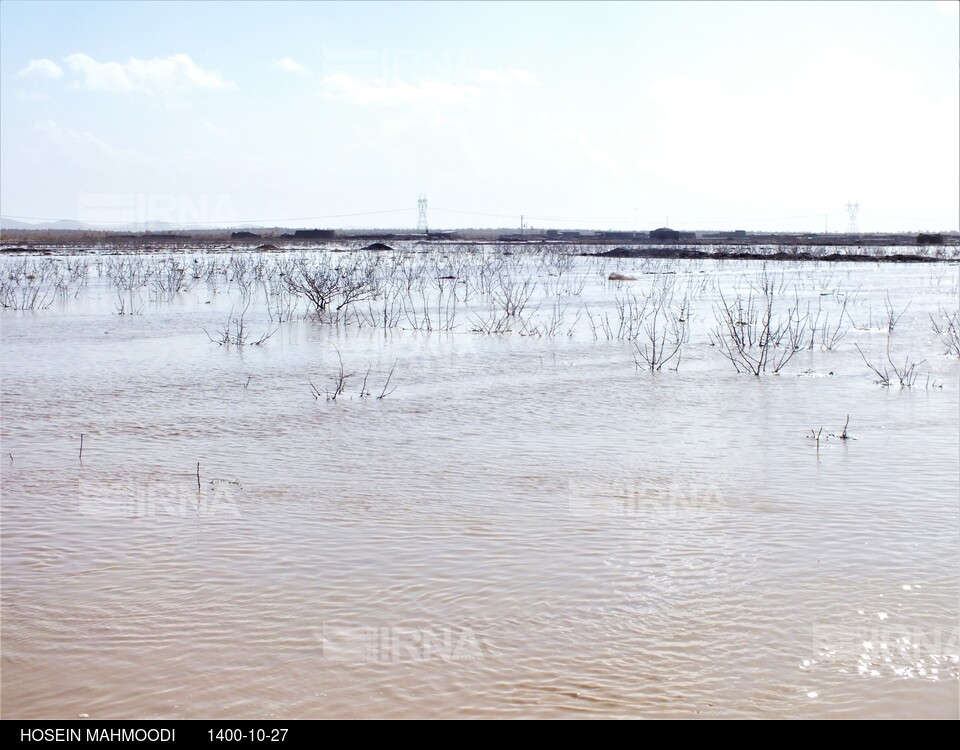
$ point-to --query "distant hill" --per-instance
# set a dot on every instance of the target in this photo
(70, 224)
(6, 223)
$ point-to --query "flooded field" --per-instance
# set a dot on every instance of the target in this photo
(465, 482)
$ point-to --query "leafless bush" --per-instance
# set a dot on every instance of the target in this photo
(338, 383)
(78, 270)
(130, 271)
(665, 331)
(627, 324)
(843, 435)
(363, 386)
(492, 321)
(552, 324)
(386, 313)
(513, 295)
(947, 326)
(892, 316)
(331, 288)
(832, 330)
(752, 335)
(129, 302)
(170, 279)
(241, 271)
(815, 436)
(386, 390)
(235, 332)
(905, 374)
(280, 302)
(508, 304)
(427, 310)
(29, 286)
(631, 312)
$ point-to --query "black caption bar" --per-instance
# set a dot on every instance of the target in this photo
(92, 730)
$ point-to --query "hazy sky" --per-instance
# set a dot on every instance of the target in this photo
(716, 115)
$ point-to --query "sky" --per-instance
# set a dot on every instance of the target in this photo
(755, 115)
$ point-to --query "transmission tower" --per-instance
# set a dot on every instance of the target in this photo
(852, 210)
(422, 218)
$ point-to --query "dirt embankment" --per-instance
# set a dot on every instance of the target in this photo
(686, 253)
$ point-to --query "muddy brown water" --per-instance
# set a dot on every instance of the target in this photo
(526, 527)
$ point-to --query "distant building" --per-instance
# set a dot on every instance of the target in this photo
(315, 234)
(664, 233)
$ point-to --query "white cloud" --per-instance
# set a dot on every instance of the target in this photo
(32, 96)
(289, 65)
(42, 69)
(67, 136)
(482, 84)
(160, 76)
(507, 77)
(377, 92)
(84, 145)
(211, 129)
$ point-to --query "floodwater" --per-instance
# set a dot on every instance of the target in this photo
(527, 526)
